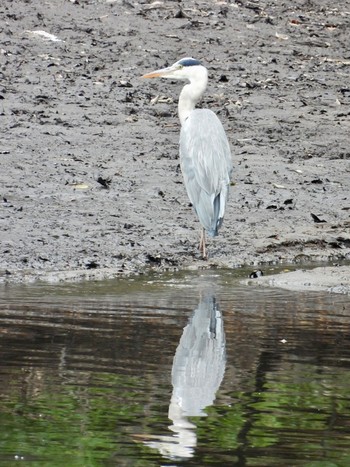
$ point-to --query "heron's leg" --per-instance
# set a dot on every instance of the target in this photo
(201, 242)
(202, 247)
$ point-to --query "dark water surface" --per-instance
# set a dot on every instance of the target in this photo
(190, 369)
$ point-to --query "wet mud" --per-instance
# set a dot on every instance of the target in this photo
(89, 172)
(332, 279)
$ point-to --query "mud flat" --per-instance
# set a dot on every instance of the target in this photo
(89, 173)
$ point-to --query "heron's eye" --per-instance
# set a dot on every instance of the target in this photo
(180, 67)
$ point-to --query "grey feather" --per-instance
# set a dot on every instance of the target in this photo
(206, 166)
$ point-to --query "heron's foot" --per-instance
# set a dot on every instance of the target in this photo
(203, 251)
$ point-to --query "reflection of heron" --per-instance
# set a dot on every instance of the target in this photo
(204, 149)
(198, 369)
(199, 361)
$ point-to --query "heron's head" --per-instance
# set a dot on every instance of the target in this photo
(185, 69)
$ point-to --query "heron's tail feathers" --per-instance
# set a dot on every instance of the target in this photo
(214, 232)
(211, 213)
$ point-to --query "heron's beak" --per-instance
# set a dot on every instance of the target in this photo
(159, 73)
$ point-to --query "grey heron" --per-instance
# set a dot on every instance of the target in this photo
(205, 156)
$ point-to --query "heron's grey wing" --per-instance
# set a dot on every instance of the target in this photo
(206, 166)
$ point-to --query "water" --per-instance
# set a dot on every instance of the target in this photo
(191, 369)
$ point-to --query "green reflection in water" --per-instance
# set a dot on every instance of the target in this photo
(298, 422)
(71, 424)
(85, 424)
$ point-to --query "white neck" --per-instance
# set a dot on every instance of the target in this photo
(192, 92)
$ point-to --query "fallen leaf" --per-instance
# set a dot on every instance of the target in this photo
(282, 37)
(80, 186)
(316, 219)
(45, 35)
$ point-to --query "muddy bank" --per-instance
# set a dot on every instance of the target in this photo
(89, 171)
(325, 279)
